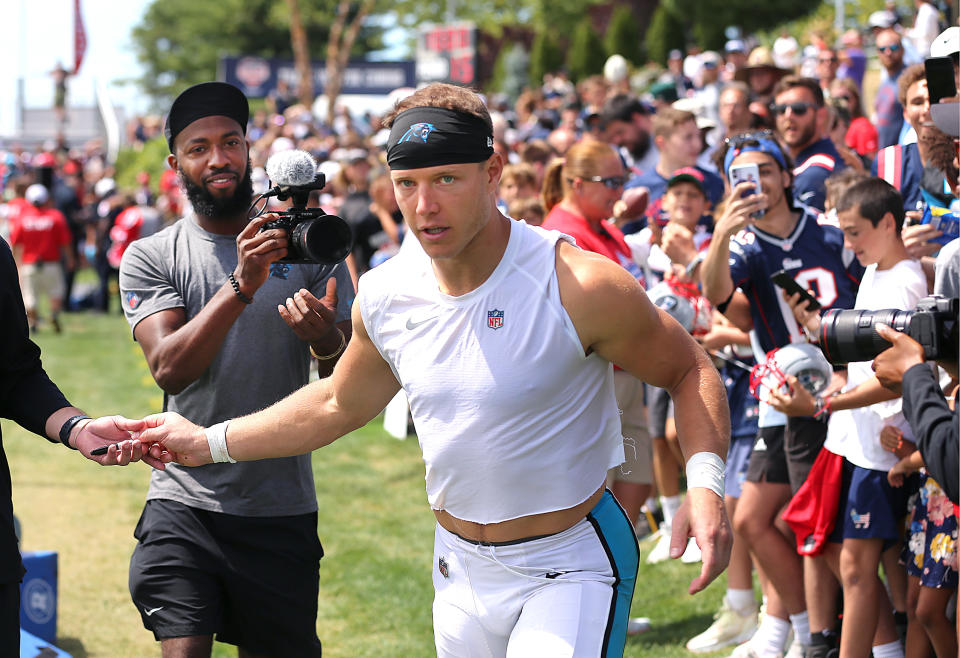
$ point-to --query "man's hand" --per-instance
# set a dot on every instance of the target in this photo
(703, 517)
(739, 211)
(115, 432)
(314, 320)
(890, 364)
(677, 243)
(256, 252)
(796, 402)
(171, 437)
(917, 238)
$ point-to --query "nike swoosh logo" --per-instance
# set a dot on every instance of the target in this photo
(150, 612)
(413, 325)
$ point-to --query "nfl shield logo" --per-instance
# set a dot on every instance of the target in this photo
(133, 300)
(444, 569)
(494, 319)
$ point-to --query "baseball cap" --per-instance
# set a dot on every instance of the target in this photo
(686, 175)
(882, 19)
(947, 43)
(104, 186)
(675, 54)
(946, 116)
(736, 46)
(37, 194)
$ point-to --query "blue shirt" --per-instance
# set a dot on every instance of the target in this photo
(888, 112)
(813, 254)
(814, 165)
(743, 406)
(901, 167)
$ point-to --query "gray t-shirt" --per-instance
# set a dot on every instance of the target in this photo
(261, 361)
(947, 278)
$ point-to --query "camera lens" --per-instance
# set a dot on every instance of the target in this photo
(326, 240)
(848, 336)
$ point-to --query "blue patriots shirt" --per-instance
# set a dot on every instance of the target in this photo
(901, 167)
(815, 164)
(813, 254)
(743, 406)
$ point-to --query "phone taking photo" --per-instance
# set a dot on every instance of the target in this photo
(746, 173)
(788, 283)
(940, 80)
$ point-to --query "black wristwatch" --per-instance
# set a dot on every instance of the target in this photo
(67, 427)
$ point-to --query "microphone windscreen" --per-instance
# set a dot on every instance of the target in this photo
(291, 168)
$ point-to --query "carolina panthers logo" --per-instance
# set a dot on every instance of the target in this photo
(418, 132)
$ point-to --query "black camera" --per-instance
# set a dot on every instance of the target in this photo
(312, 235)
(847, 336)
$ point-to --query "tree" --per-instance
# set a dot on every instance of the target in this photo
(545, 57)
(621, 37)
(343, 34)
(301, 53)
(586, 55)
(664, 34)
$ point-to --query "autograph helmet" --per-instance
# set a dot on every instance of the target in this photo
(684, 304)
(801, 360)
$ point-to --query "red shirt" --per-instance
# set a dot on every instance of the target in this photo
(862, 136)
(609, 242)
(41, 232)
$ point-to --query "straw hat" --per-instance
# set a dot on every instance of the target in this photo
(760, 58)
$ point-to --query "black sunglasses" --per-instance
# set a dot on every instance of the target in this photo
(797, 108)
(612, 182)
(889, 49)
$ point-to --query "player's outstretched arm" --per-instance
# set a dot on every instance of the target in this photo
(614, 318)
(360, 387)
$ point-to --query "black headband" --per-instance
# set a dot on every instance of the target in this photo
(430, 136)
(204, 100)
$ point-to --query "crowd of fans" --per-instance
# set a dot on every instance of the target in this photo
(808, 107)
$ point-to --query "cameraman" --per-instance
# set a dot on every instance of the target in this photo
(227, 330)
(902, 369)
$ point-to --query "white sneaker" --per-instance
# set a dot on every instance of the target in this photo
(661, 551)
(638, 625)
(747, 650)
(691, 553)
(731, 627)
(796, 650)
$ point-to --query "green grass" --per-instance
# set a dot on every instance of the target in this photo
(375, 525)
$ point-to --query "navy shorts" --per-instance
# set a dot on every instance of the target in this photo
(738, 458)
(251, 581)
(768, 461)
(869, 507)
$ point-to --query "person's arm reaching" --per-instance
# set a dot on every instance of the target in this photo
(615, 319)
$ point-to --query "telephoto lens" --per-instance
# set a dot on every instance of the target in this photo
(849, 335)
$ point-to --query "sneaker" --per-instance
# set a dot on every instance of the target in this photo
(731, 627)
(638, 625)
(747, 650)
(691, 555)
(797, 650)
(661, 550)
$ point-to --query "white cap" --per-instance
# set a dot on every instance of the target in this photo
(37, 194)
(947, 43)
(104, 186)
(615, 69)
(882, 19)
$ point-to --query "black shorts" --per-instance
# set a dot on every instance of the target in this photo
(802, 440)
(659, 409)
(251, 581)
(768, 461)
(10, 619)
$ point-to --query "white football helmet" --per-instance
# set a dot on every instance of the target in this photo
(684, 304)
(801, 360)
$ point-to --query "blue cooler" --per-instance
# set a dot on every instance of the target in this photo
(32, 646)
(38, 595)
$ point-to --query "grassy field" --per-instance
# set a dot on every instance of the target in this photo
(376, 528)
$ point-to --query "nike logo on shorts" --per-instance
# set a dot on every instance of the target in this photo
(151, 611)
(413, 325)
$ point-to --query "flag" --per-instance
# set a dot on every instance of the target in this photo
(79, 37)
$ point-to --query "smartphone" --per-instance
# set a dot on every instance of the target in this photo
(745, 173)
(788, 283)
(940, 80)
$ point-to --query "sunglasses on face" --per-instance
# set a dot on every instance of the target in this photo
(611, 182)
(799, 109)
(889, 49)
(827, 60)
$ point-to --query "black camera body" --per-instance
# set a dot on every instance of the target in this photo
(850, 335)
(313, 236)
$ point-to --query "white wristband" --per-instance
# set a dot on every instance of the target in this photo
(705, 469)
(217, 440)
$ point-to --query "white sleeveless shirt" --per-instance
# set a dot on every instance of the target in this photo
(512, 418)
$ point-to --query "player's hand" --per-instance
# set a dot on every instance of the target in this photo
(314, 320)
(739, 210)
(890, 364)
(114, 432)
(795, 402)
(256, 252)
(703, 517)
(171, 437)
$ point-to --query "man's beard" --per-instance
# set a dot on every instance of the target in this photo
(207, 205)
(640, 147)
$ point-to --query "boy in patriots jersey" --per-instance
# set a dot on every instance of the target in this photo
(759, 233)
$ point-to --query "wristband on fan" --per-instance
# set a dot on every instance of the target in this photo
(705, 469)
(217, 441)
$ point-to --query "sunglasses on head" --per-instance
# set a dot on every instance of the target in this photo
(612, 182)
(748, 139)
(889, 49)
(797, 108)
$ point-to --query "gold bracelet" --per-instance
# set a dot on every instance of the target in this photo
(335, 353)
